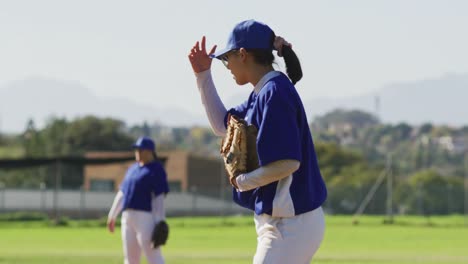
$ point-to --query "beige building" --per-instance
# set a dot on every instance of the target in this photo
(185, 171)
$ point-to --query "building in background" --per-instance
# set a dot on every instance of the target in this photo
(186, 172)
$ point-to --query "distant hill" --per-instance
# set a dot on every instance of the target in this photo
(40, 98)
(438, 101)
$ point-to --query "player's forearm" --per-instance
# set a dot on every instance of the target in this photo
(157, 208)
(264, 175)
(116, 206)
(214, 107)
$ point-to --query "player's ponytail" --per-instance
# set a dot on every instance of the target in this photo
(266, 57)
(293, 66)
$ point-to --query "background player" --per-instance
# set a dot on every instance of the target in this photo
(141, 198)
(287, 191)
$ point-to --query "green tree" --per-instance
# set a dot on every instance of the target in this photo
(356, 118)
(32, 141)
(93, 134)
(348, 189)
(63, 138)
(333, 159)
(429, 193)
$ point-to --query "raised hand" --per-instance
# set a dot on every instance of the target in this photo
(279, 43)
(198, 57)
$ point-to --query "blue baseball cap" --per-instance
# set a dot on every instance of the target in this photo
(144, 143)
(249, 34)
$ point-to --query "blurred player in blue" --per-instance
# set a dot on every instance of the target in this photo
(287, 191)
(141, 198)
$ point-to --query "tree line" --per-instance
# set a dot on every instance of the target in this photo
(428, 165)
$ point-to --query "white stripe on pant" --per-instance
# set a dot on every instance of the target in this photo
(292, 240)
(137, 227)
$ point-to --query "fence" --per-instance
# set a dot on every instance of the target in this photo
(433, 199)
(85, 204)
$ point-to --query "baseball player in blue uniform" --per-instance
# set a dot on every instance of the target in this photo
(287, 191)
(141, 198)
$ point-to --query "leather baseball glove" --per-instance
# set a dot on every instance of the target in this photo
(160, 234)
(239, 148)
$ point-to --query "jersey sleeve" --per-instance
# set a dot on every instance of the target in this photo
(124, 184)
(159, 181)
(278, 134)
(239, 110)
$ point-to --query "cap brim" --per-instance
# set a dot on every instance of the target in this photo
(220, 53)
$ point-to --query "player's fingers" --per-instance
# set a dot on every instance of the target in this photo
(203, 44)
(194, 48)
(197, 46)
(213, 49)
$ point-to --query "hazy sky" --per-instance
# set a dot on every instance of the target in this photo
(138, 49)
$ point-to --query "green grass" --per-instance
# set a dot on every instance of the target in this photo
(232, 240)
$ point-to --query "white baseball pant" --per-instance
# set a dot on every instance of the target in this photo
(137, 227)
(292, 240)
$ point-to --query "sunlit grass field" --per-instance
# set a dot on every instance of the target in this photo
(211, 240)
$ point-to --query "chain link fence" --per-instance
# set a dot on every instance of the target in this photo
(91, 204)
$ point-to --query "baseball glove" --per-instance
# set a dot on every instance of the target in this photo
(239, 148)
(160, 234)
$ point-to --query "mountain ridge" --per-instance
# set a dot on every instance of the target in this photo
(438, 100)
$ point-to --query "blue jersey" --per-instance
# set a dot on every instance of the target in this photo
(141, 182)
(276, 109)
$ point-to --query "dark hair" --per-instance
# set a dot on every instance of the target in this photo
(266, 57)
(262, 56)
(293, 66)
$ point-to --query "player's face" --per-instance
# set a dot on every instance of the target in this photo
(233, 61)
(138, 154)
(143, 155)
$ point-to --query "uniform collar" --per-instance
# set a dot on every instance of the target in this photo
(264, 79)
